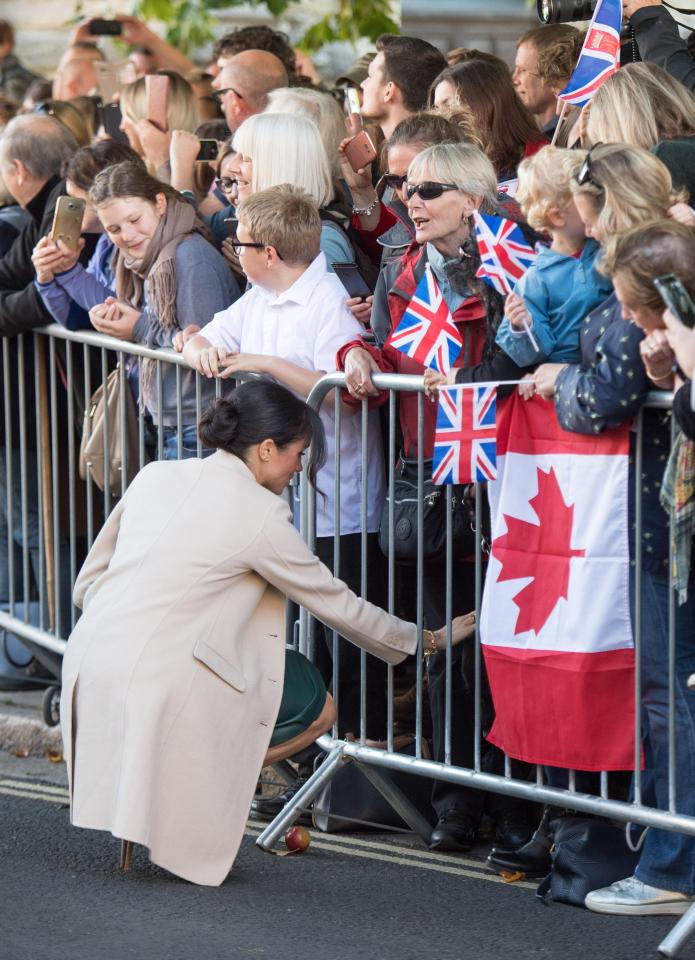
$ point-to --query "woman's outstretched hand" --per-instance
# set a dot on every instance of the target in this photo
(462, 628)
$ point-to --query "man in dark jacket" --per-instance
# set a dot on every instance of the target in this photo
(659, 41)
(33, 149)
(14, 76)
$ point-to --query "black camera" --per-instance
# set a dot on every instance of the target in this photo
(564, 11)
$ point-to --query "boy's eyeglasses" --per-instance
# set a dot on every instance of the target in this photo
(584, 176)
(226, 183)
(218, 94)
(428, 190)
(238, 245)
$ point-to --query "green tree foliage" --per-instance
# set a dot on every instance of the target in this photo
(191, 23)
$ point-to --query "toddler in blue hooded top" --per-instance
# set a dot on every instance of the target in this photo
(544, 313)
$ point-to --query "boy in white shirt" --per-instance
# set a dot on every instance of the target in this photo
(290, 325)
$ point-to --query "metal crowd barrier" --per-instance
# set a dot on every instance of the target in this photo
(67, 514)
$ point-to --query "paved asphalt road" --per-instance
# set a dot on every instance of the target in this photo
(350, 897)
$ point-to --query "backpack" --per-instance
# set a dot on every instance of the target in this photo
(367, 268)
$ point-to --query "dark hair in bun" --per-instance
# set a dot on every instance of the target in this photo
(260, 410)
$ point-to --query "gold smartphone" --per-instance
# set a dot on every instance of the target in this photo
(67, 221)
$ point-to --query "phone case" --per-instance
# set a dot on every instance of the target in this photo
(157, 93)
(112, 77)
(67, 221)
(360, 151)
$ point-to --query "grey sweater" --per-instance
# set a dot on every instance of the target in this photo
(204, 286)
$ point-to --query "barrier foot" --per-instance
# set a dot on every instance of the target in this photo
(302, 798)
(675, 941)
(396, 799)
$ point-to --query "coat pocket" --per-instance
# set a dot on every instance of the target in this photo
(220, 665)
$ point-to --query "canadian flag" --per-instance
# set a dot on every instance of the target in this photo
(555, 618)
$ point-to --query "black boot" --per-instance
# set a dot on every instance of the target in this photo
(533, 858)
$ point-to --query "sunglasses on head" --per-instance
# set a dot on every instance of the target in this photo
(428, 190)
(585, 174)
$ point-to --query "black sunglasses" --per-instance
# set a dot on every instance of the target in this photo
(238, 244)
(218, 94)
(392, 180)
(584, 176)
(226, 183)
(428, 190)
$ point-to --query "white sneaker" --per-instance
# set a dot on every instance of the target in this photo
(632, 897)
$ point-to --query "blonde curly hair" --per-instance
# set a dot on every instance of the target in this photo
(545, 183)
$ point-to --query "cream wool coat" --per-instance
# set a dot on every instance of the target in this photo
(172, 678)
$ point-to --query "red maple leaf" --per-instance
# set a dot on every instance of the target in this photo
(542, 551)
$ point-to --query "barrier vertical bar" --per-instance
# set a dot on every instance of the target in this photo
(40, 420)
(8, 475)
(391, 557)
(55, 489)
(363, 560)
(637, 595)
(122, 388)
(107, 438)
(449, 599)
(420, 570)
(72, 490)
(478, 649)
(24, 475)
(87, 360)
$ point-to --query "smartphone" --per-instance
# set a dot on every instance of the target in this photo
(676, 298)
(352, 100)
(232, 224)
(157, 95)
(112, 77)
(208, 150)
(111, 117)
(67, 221)
(360, 151)
(351, 278)
(106, 28)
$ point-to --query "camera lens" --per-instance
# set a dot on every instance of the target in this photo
(564, 11)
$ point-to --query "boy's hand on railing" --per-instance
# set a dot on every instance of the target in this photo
(181, 337)
(115, 318)
(50, 258)
(359, 367)
(209, 360)
(360, 309)
(235, 363)
(516, 312)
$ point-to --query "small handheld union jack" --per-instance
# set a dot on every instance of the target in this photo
(427, 332)
(600, 56)
(504, 251)
(465, 440)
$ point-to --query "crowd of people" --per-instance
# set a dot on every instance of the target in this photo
(232, 262)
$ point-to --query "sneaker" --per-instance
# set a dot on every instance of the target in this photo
(269, 807)
(632, 897)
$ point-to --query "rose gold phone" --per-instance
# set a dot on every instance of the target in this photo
(67, 221)
(112, 77)
(157, 94)
(360, 151)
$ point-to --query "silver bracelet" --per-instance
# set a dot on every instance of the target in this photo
(365, 211)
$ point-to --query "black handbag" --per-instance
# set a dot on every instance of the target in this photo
(350, 802)
(587, 854)
(434, 511)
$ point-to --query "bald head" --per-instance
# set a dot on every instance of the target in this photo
(77, 78)
(247, 79)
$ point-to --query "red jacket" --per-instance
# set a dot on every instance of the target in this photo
(396, 286)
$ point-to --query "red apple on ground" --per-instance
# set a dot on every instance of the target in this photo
(297, 839)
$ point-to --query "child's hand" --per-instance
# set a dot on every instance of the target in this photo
(209, 359)
(682, 213)
(182, 336)
(516, 312)
(527, 387)
(434, 380)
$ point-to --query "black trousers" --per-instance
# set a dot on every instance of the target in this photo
(349, 655)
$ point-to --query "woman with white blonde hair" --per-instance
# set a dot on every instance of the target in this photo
(644, 106)
(275, 148)
(319, 107)
(445, 185)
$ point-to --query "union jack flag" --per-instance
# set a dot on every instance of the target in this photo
(465, 440)
(600, 56)
(505, 254)
(427, 332)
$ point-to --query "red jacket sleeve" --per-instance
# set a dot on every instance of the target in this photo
(369, 238)
(385, 366)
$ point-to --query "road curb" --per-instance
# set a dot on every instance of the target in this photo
(19, 734)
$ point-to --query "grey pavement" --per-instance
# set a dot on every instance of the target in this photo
(350, 896)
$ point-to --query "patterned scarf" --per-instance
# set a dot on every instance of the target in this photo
(678, 500)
